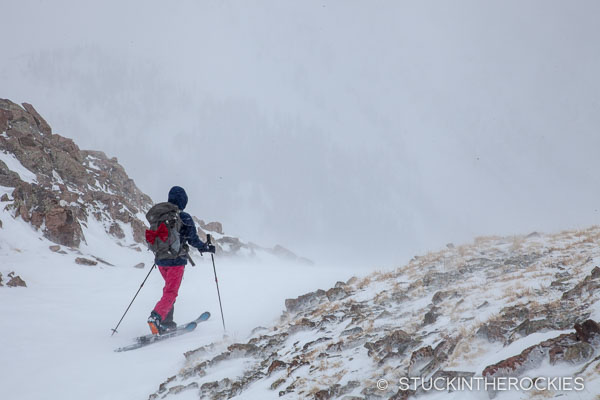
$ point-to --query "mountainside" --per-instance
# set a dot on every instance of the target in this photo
(520, 307)
(62, 190)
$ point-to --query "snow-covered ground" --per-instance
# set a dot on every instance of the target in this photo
(57, 339)
(56, 333)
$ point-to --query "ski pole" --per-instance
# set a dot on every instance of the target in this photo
(114, 330)
(217, 282)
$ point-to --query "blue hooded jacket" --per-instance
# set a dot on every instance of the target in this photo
(187, 233)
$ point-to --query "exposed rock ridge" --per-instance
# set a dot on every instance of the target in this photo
(59, 187)
(443, 315)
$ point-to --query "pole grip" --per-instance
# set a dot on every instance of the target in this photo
(208, 238)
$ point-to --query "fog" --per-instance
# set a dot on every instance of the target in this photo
(360, 132)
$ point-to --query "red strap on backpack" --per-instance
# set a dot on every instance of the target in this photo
(162, 233)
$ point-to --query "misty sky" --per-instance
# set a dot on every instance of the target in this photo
(356, 131)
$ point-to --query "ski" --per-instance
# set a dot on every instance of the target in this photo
(142, 341)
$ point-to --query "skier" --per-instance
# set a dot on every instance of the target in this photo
(171, 269)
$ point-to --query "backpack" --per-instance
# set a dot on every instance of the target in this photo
(163, 237)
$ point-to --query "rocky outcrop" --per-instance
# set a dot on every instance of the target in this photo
(426, 319)
(572, 348)
(70, 186)
(85, 261)
(213, 226)
(14, 281)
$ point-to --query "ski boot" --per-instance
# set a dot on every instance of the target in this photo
(168, 324)
(154, 322)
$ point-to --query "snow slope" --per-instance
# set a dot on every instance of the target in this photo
(56, 333)
(497, 308)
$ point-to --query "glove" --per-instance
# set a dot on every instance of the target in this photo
(208, 248)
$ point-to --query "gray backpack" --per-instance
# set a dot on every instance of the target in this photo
(163, 237)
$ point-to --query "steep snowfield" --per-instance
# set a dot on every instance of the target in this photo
(55, 334)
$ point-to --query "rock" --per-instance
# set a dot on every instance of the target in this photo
(305, 301)
(587, 331)
(15, 281)
(531, 357)
(430, 317)
(588, 285)
(140, 265)
(4, 198)
(40, 122)
(352, 280)
(492, 331)
(324, 394)
(528, 326)
(62, 228)
(335, 293)
(213, 227)
(0, 224)
(37, 219)
(276, 365)
(440, 279)
(277, 383)
(116, 230)
(393, 344)
(579, 353)
(440, 296)
(103, 261)
(301, 325)
(575, 354)
(352, 331)
(85, 261)
(243, 349)
(67, 180)
(231, 243)
(336, 390)
(418, 358)
(54, 248)
(297, 362)
(1, 279)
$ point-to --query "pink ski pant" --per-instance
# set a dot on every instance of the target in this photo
(172, 277)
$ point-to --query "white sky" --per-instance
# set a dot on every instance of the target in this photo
(364, 131)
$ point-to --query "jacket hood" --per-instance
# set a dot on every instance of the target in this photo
(178, 196)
